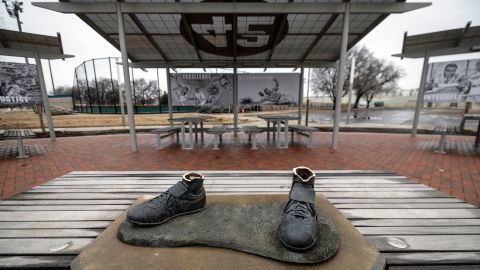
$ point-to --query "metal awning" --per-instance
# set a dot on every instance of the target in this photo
(454, 41)
(21, 44)
(272, 33)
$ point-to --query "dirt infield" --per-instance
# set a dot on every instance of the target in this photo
(28, 119)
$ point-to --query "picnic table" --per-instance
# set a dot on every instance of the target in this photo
(414, 226)
(19, 135)
(277, 120)
(190, 121)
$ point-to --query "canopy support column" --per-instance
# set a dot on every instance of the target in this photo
(421, 91)
(126, 79)
(169, 93)
(300, 97)
(235, 102)
(43, 89)
(341, 76)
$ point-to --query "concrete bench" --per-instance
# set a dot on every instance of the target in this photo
(217, 131)
(304, 131)
(165, 132)
(444, 131)
(252, 130)
(19, 135)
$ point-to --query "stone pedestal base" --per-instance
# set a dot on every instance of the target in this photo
(107, 252)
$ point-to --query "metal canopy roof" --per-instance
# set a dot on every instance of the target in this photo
(249, 33)
(14, 43)
(454, 41)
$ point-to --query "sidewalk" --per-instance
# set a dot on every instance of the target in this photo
(456, 173)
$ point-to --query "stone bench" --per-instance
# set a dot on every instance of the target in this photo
(19, 135)
(304, 131)
(217, 132)
(443, 131)
(165, 132)
(252, 130)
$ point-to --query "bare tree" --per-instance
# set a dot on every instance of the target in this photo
(372, 76)
(324, 81)
(146, 92)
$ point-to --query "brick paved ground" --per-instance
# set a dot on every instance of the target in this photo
(456, 173)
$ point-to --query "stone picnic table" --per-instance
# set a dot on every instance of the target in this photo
(190, 121)
(277, 120)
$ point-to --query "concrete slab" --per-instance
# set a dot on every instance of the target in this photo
(107, 252)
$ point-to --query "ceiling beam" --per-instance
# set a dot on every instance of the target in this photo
(148, 36)
(250, 8)
(231, 64)
(32, 53)
(234, 37)
(438, 52)
(188, 27)
(97, 29)
(322, 32)
(278, 34)
(290, 34)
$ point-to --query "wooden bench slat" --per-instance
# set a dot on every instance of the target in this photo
(410, 213)
(435, 267)
(404, 205)
(43, 262)
(55, 224)
(58, 215)
(417, 222)
(62, 207)
(63, 202)
(427, 242)
(433, 258)
(50, 233)
(424, 230)
(43, 246)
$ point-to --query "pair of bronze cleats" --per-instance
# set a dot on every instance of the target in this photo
(297, 230)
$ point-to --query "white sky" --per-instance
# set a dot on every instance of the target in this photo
(386, 39)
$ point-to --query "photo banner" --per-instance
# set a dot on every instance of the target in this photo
(202, 89)
(19, 84)
(268, 89)
(453, 81)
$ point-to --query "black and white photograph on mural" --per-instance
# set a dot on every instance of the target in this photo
(19, 84)
(202, 89)
(453, 81)
(268, 89)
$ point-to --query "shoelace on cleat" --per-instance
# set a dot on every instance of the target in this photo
(164, 197)
(300, 209)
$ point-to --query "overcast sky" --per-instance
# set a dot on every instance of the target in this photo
(386, 39)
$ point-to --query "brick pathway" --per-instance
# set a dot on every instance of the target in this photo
(456, 173)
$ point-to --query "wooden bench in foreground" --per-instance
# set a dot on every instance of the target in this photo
(414, 226)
